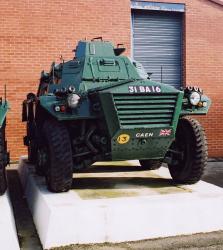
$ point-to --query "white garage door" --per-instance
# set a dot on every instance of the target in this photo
(157, 44)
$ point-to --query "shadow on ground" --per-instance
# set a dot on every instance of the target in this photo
(111, 168)
(27, 235)
(119, 182)
(121, 179)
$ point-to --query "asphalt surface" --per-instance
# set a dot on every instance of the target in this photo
(28, 237)
(214, 173)
(212, 241)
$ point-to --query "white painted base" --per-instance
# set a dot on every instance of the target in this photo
(64, 219)
(8, 234)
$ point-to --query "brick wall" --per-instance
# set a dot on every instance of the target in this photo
(34, 33)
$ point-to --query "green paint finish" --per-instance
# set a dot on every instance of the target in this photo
(143, 118)
(106, 68)
(97, 68)
(140, 148)
(118, 103)
(81, 112)
(4, 107)
(99, 48)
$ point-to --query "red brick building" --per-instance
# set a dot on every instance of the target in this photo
(34, 33)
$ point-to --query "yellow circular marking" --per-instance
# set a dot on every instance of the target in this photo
(123, 138)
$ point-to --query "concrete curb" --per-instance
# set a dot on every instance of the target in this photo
(8, 233)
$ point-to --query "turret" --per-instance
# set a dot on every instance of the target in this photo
(97, 47)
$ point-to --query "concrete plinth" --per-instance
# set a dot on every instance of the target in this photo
(120, 203)
(8, 234)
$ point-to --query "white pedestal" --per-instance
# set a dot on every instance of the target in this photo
(64, 219)
(8, 234)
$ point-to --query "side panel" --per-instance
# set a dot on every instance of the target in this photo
(141, 143)
(82, 112)
(3, 111)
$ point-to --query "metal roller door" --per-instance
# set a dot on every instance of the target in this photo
(157, 44)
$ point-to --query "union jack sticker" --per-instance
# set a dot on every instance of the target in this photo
(165, 132)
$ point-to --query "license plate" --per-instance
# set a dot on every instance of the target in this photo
(144, 89)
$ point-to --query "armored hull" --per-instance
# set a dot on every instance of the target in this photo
(102, 106)
(4, 155)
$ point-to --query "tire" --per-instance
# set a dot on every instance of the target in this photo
(3, 179)
(32, 148)
(191, 141)
(150, 164)
(59, 169)
(41, 163)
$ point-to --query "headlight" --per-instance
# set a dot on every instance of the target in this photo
(194, 98)
(73, 100)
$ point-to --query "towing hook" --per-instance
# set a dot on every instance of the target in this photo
(142, 141)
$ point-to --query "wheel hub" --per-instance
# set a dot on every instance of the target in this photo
(42, 157)
(175, 154)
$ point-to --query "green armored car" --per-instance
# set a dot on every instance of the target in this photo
(4, 155)
(102, 106)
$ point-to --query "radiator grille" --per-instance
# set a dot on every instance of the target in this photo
(138, 111)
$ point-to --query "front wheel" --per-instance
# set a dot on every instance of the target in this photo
(188, 152)
(59, 167)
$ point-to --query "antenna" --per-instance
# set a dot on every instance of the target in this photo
(161, 74)
(5, 94)
(53, 65)
(61, 59)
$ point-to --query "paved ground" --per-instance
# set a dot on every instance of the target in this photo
(214, 173)
(212, 241)
(29, 238)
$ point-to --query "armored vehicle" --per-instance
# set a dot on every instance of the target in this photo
(102, 106)
(4, 155)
